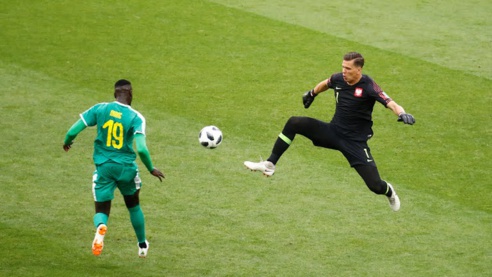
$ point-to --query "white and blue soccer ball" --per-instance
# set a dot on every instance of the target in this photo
(210, 136)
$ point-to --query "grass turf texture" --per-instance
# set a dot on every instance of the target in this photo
(196, 63)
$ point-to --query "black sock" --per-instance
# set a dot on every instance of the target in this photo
(279, 148)
(273, 158)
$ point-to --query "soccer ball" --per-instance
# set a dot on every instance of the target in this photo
(210, 136)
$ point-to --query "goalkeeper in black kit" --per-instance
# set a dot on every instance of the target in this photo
(349, 130)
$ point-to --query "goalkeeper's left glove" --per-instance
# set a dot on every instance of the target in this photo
(406, 118)
(308, 98)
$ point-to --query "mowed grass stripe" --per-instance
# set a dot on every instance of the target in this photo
(455, 34)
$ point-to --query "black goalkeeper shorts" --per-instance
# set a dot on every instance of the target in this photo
(325, 135)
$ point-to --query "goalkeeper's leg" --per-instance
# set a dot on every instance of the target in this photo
(371, 177)
(311, 128)
(305, 126)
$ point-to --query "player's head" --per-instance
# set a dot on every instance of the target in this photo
(352, 67)
(123, 91)
(355, 57)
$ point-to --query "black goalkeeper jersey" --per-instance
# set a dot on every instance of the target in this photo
(354, 105)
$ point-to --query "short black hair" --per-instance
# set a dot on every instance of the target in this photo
(122, 86)
(121, 83)
(357, 57)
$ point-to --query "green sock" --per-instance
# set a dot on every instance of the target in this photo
(138, 222)
(100, 218)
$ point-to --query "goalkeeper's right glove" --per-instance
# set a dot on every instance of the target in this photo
(308, 98)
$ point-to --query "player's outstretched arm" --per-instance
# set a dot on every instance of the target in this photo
(404, 117)
(72, 133)
(143, 153)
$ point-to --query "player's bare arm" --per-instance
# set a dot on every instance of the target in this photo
(397, 109)
(400, 112)
(319, 88)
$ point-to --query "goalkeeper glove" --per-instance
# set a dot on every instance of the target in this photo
(308, 98)
(406, 118)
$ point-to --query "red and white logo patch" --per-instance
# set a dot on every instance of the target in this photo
(358, 92)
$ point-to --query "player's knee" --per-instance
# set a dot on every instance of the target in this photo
(294, 121)
(294, 125)
(103, 207)
(131, 200)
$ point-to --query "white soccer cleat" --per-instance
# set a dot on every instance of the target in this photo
(98, 242)
(142, 252)
(266, 167)
(394, 200)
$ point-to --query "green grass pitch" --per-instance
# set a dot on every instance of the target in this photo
(243, 66)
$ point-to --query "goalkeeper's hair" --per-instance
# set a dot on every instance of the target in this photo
(356, 57)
